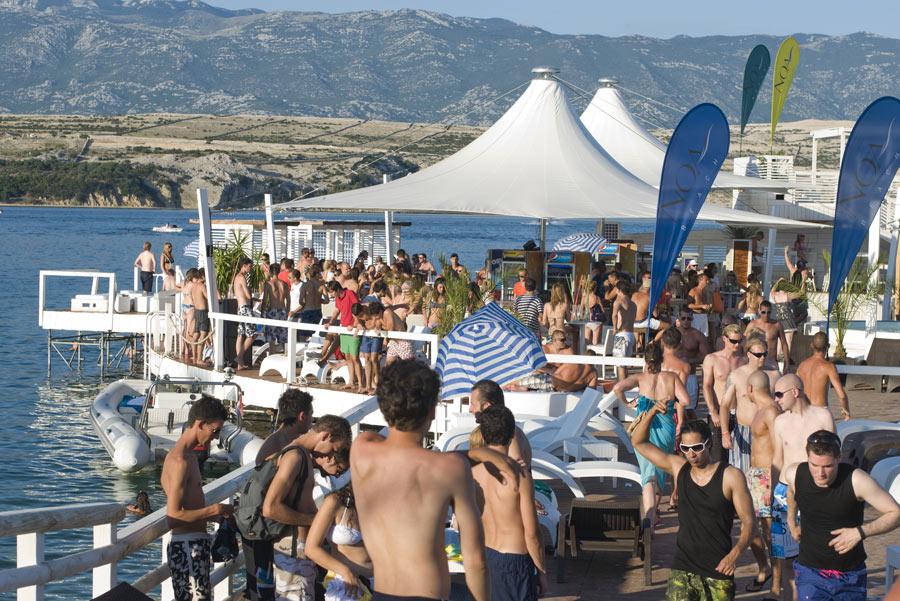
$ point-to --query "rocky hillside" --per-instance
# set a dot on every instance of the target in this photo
(131, 56)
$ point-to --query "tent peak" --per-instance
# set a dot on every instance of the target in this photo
(608, 82)
(544, 72)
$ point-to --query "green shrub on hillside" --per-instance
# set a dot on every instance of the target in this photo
(63, 180)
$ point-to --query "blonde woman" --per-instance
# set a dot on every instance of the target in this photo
(166, 260)
(558, 311)
(348, 564)
(749, 304)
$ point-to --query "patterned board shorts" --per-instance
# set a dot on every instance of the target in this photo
(784, 545)
(685, 586)
(402, 349)
(188, 557)
(276, 335)
(623, 344)
(759, 481)
(246, 329)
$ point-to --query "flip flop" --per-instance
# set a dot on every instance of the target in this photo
(756, 585)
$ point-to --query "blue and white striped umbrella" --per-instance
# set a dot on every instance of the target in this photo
(193, 249)
(490, 344)
(590, 243)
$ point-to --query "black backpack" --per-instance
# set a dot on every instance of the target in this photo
(249, 518)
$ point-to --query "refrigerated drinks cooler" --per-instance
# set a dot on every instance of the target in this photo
(548, 268)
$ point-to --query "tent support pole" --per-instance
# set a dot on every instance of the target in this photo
(543, 235)
(770, 258)
(270, 230)
(388, 226)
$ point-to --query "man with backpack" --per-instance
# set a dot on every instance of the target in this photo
(277, 505)
(295, 413)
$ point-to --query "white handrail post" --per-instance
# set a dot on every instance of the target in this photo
(136, 283)
(291, 351)
(105, 576)
(222, 590)
(30, 552)
(434, 350)
(166, 592)
(112, 301)
(95, 284)
(41, 293)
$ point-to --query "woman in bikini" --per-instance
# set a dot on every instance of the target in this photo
(655, 384)
(349, 565)
(166, 260)
(596, 316)
(436, 304)
(749, 304)
(558, 311)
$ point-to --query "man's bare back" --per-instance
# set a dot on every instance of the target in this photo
(693, 345)
(624, 312)
(198, 296)
(641, 300)
(501, 513)
(817, 373)
(278, 293)
(402, 496)
(146, 261)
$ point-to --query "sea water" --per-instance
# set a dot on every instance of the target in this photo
(50, 454)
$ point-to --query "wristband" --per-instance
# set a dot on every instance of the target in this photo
(862, 535)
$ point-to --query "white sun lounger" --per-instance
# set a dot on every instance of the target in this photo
(846, 428)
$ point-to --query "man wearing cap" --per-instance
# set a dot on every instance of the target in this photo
(830, 497)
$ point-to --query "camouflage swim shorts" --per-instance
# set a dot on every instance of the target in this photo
(685, 586)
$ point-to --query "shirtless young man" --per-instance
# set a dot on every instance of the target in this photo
(700, 302)
(623, 313)
(718, 366)
(188, 551)
(487, 393)
(569, 377)
(284, 503)
(694, 346)
(817, 372)
(673, 362)
(736, 430)
(274, 306)
(201, 316)
(146, 262)
(511, 533)
(760, 476)
(798, 420)
(403, 492)
(773, 330)
(245, 331)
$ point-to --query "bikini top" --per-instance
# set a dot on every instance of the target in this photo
(341, 534)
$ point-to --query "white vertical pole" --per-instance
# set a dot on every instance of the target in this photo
(207, 261)
(388, 226)
(136, 283)
(815, 156)
(270, 230)
(166, 592)
(291, 351)
(770, 257)
(843, 143)
(890, 278)
(874, 247)
(30, 552)
(104, 576)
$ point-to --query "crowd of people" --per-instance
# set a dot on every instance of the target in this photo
(392, 514)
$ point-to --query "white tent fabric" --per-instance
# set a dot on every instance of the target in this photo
(614, 127)
(537, 161)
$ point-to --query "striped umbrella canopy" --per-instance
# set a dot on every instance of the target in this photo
(192, 249)
(591, 243)
(490, 344)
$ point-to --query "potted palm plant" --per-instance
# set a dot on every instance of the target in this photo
(859, 289)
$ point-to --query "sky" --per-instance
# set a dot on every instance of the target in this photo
(653, 18)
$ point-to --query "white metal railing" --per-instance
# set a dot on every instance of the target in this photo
(34, 572)
(95, 277)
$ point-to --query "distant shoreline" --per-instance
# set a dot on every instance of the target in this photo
(62, 206)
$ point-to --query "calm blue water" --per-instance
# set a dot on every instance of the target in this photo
(50, 453)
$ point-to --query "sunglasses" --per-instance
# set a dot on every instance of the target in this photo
(686, 318)
(733, 341)
(779, 394)
(764, 312)
(521, 277)
(694, 448)
(759, 355)
(824, 437)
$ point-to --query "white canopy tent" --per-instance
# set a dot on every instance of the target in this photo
(539, 161)
(627, 141)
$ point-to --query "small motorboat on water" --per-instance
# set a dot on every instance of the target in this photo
(169, 228)
(138, 422)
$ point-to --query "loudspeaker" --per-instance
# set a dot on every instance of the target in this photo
(530, 245)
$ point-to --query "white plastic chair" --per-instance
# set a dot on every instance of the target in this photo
(604, 349)
(571, 425)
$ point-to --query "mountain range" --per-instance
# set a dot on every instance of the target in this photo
(141, 56)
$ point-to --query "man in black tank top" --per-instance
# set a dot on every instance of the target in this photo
(831, 497)
(709, 496)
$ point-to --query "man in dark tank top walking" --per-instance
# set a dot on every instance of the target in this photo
(709, 496)
(831, 498)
